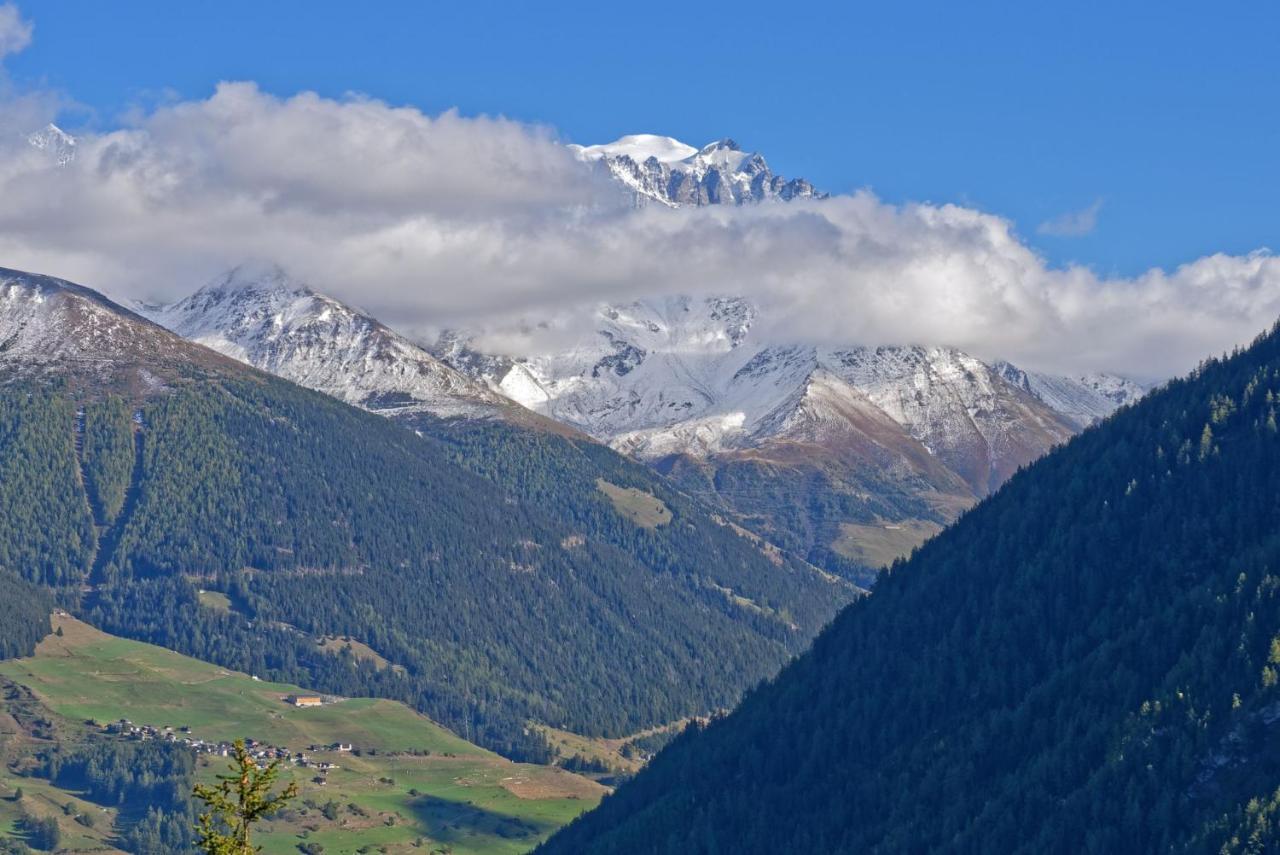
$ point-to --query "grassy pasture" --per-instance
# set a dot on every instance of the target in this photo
(42, 799)
(644, 509)
(359, 650)
(215, 600)
(880, 544)
(602, 749)
(458, 796)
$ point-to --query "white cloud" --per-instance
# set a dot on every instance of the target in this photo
(431, 221)
(15, 33)
(1073, 223)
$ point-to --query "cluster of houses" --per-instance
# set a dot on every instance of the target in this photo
(260, 751)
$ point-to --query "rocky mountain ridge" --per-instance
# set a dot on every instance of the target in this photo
(664, 170)
(261, 316)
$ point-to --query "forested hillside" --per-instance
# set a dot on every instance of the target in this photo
(1086, 662)
(26, 616)
(46, 530)
(150, 783)
(487, 565)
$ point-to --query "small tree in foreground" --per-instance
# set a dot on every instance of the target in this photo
(238, 801)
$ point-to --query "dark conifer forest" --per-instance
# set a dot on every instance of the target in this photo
(149, 781)
(26, 616)
(480, 559)
(1086, 662)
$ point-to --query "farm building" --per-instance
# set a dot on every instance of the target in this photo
(305, 700)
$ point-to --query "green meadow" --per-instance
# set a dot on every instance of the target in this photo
(412, 786)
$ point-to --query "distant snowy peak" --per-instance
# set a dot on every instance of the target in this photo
(654, 168)
(665, 170)
(638, 147)
(1121, 391)
(260, 316)
(678, 375)
(1083, 399)
(57, 143)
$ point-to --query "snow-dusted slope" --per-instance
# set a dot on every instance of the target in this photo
(684, 376)
(1082, 399)
(824, 450)
(665, 170)
(802, 444)
(818, 448)
(262, 317)
(52, 327)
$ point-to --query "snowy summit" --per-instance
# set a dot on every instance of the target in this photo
(258, 314)
(662, 169)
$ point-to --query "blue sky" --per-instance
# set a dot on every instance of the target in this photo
(1113, 167)
(1160, 117)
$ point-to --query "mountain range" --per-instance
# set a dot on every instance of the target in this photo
(509, 573)
(260, 316)
(846, 456)
(862, 437)
(674, 516)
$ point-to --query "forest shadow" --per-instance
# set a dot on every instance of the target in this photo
(450, 821)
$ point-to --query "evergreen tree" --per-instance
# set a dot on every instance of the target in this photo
(238, 802)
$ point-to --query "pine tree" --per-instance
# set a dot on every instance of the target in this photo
(237, 802)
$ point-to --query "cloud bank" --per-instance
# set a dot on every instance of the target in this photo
(435, 221)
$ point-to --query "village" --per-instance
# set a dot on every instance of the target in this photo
(260, 751)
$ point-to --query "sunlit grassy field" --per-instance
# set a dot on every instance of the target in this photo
(413, 783)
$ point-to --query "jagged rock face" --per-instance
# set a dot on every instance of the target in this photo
(664, 170)
(264, 318)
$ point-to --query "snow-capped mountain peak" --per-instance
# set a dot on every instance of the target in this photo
(638, 147)
(255, 276)
(678, 375)
(725, 154)
(260, 315)
(665, 170)
(59, 144)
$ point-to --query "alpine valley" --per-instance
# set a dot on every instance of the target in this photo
(502, 575)
(678, 583)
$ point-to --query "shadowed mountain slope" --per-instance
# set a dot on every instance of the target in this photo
(1086, 662)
